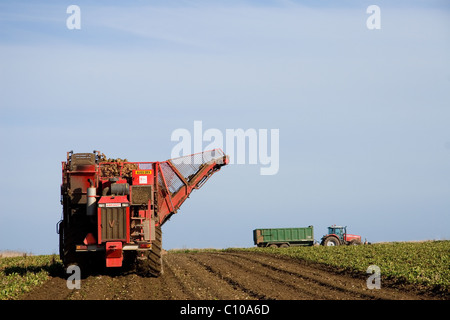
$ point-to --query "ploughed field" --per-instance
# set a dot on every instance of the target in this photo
(242, 274)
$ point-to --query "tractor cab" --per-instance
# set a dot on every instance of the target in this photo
(338, 231)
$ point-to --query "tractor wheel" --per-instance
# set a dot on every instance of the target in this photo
(355, 242)
(331, 242)
(152, 266)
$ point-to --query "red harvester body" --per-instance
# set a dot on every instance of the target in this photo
(114, 211)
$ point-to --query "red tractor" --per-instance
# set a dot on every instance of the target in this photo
(338, 235)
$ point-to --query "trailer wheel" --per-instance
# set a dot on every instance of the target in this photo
(331, 242)
(152, 266)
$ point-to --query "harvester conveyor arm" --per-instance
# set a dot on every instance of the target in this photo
(195, 181)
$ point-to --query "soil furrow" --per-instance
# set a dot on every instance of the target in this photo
(262, 283)
(345, 284)
(299, 288)
(232, 282)
(205, 283)
(302, 278)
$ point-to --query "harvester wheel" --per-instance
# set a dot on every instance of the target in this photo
(152, 266)
(331, 242)
(66, 245)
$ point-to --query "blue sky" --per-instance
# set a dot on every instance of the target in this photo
(363, 114)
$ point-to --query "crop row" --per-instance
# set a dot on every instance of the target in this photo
(19, 275)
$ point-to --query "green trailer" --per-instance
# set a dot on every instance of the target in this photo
(284, 237)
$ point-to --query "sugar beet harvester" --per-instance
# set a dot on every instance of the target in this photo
(114, 211)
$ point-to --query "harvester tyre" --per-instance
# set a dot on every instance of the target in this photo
(66, 246)
(68, 255)
(152, 266)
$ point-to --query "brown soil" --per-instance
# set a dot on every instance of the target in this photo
(226, 276)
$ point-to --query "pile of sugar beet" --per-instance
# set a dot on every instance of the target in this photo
(114, 167)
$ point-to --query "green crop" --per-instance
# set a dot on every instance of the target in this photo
(19, 275)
